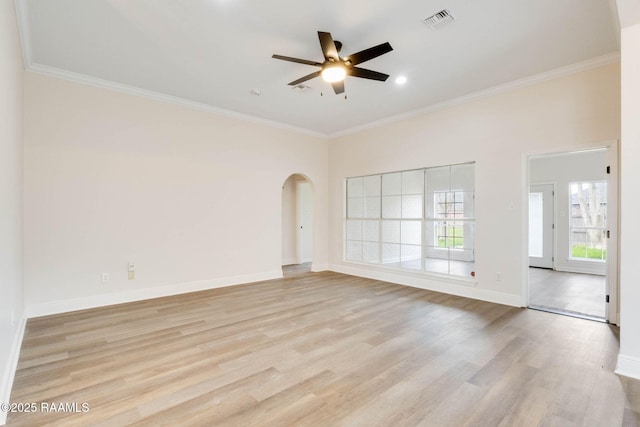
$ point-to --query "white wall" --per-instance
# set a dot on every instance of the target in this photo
(11, 120)
(629, 357)
(192, 198)
(561, 170)
(569, 113)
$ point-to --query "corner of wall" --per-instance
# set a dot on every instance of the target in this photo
(628, 366)
(9, 370)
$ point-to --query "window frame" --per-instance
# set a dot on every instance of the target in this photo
(405, 251)
(602, 228)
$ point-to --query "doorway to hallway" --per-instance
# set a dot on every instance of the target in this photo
(569, 227)
(297, 221)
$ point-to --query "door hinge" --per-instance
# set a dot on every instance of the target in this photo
(553, 226)
(608, 234)
(553, 259)
(606, 299)
(608, 169)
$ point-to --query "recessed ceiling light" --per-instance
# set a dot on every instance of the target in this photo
(400, 80)
(255, 92)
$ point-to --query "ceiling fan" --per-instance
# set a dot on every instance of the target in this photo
(334, 69)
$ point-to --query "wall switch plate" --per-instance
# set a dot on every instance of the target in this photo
(132, 275)
(105, 277)
(131, 267)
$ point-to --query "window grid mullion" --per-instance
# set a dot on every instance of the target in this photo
(447, 215)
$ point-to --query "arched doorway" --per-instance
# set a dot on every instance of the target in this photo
(297, 224)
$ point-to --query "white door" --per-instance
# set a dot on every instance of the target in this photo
(541, 226)
(305, 221)
(612, 233)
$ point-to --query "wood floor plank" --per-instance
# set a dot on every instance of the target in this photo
(322, 349)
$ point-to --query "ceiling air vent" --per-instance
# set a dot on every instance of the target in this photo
(301, 87)
(439, 19)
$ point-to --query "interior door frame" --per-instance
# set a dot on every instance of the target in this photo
(613, 284)
(612, 311)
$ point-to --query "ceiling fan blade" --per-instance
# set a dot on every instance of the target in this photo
(367, 54)
(298, 60)
(367, 74)
(328, 46)
(305, 78)
(338, 87)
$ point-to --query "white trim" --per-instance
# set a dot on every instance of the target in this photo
(628, 366)
(582, 269)
(319, 267)
(485, 93)
(64, 306)
(157, 96)
(11, 366)
(290, 261)
(24, 32)
(450, 286)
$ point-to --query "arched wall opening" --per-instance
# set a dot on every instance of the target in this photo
(297, 221)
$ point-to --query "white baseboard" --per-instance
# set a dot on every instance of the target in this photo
(9, 371)
(319, 267)
(598, 271)
(628, 366)
(64, 306)
(459, 287)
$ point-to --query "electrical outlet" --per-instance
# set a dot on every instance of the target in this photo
(105, 277)
(498, 277)
(131, 269)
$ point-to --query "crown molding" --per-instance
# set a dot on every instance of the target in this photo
(516, 84)
(157, 96)
(29, 65)
(24, 32)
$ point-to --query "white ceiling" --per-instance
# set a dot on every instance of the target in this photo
(213, 52)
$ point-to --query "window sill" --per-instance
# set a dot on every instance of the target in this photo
(458, 280)
(600, 261)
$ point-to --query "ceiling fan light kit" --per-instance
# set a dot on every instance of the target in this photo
(334, 69)
(334, 73)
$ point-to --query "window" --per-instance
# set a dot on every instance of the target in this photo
(588, 220)
(418, 220)
(449, 205)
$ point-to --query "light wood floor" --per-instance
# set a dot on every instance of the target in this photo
(569, 292)
(323, 349)
(296, 269)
